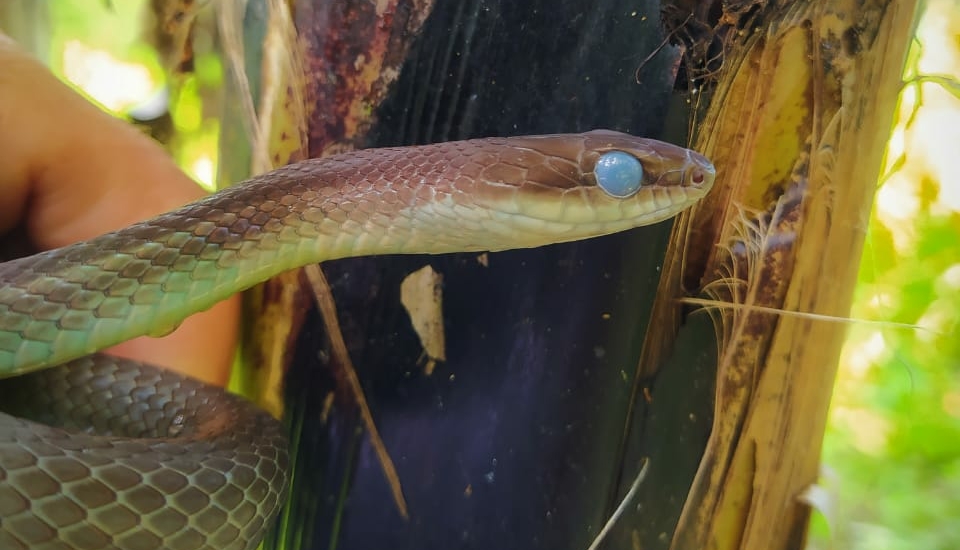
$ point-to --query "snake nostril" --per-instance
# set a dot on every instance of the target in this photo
(697, 177)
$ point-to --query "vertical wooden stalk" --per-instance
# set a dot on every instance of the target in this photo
(798, 129)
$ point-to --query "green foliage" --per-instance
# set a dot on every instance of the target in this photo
(113, 28)
(110, 41)
(892, 449)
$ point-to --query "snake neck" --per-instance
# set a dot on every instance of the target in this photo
(65, 303)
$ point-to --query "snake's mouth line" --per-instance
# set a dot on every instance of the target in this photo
(592, 206)
(510, 223)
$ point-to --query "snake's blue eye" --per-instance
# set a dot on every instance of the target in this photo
(619, 174)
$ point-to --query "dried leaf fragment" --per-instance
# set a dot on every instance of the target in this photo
(422, 297)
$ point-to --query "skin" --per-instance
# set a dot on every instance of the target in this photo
(69, 172)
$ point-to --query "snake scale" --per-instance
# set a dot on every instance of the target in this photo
(97, 452)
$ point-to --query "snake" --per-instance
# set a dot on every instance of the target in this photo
(100, 452)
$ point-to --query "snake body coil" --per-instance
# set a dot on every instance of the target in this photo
(183, 466)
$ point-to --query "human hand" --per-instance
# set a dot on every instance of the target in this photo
(69, 172)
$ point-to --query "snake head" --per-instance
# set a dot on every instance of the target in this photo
(565, 187)
(462, 196)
